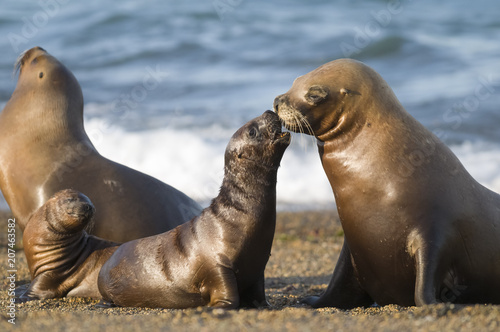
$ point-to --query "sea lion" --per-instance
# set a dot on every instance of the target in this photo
(45, 149)
(218, 258)
(418, 228)
(62, 258)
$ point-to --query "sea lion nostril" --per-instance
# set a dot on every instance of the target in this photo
(276, 103)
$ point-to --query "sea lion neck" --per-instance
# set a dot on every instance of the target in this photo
(252, 177)
(349, 123)
(53, 250)
(355, 152)
(47, 115)
(244, 193)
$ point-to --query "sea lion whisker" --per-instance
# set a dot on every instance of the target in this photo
(301, 130)
(301, 125)
(310, 130)
(19, 63)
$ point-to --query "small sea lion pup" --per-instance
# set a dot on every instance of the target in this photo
(62, 258)
(218, 258)
(44, 149)
(418, 228)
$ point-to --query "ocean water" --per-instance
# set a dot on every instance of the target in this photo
(212, 65)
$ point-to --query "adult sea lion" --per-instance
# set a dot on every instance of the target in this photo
(44, 149)
(62, 258)
(418, 228)
(218, 258)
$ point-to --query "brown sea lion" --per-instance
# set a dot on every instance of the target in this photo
(44, 149)
(418, 228)
(218, 258)
(62, 258)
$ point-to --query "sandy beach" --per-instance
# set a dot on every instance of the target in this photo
(305, 249)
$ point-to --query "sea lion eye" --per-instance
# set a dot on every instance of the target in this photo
(252, 133)
(316, 94)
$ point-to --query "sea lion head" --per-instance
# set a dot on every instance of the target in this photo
(259, 141)
(48, 81)
(333, 98)
(68, 211)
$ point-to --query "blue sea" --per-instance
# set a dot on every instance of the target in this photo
(166, 83)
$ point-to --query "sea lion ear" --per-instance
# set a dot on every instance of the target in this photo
(346, 92)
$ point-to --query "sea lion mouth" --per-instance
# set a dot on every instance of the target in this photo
(292, 119)
(275, 128)
(82, 211)
(282, 136)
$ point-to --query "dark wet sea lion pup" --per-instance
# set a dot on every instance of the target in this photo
(62, 258)
(218, 258)
(418, 228)
(44, 149)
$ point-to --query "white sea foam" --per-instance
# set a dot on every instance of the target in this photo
(193, 162)
(482, 160)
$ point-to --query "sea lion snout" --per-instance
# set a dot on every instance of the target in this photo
(32, 53)
(76, 204)
(80, 209)
(278, 101)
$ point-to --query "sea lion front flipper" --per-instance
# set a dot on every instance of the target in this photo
(37, 290)
(223, 289)
(103, 304)
(429, 266)
(20, 290)
(255, 296)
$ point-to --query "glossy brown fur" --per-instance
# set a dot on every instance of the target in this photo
(62, 258)
(44, 149)
(418, 228)
(217, 259)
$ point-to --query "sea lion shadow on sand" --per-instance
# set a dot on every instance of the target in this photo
(419, 235)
